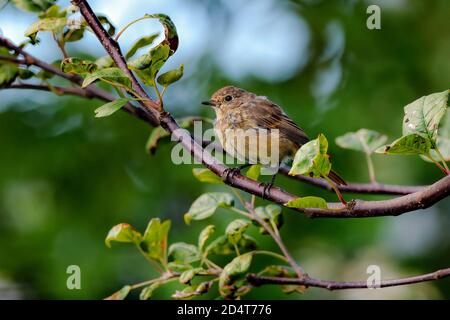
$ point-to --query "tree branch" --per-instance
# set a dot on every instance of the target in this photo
(90, 90)
(372, 188)
(339, 285)
(112, 47)
(55, 89)
(357, 208)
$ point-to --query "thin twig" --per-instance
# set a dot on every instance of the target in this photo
(339, 285)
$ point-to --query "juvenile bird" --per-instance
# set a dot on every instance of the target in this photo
(246, 113)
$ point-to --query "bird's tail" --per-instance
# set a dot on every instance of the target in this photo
(336, 178)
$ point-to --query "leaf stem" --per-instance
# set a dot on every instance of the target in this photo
(129, 25)
(272, 254)
(336, 190)
(60, 44)
(371, 168)
(444, 170)
(438, 152)
(241, 212)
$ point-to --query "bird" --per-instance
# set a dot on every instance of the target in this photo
(238, 110)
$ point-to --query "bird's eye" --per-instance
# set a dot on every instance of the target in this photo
(228, 98)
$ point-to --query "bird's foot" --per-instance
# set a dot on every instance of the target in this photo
(266, 189)
(229, 173)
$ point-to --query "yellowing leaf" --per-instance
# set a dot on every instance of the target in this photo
(307, 202)
(184, 253)
(206, 175)
(235, 230)
(154, 241)
(123, 232)
(46, 24)
(120, 295)
(204, 235)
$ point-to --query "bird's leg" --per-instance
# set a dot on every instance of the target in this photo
(268, 186)
(230, 172)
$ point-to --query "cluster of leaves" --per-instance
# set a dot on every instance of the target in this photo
(191, 264)
(10, 71)
(65, 26)
(426, 132)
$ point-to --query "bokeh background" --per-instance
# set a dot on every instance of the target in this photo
(66, 177)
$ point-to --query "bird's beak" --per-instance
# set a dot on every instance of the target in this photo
(209, 103)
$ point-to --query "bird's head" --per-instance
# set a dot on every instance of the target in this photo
(227, 97)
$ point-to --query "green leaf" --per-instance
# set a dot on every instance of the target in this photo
(46, 75)
(188, 275)
(159, 56)
(123, 232)
(141, 43)
(121, 294)
(109, 108)
(184, 253)
(25, 74)
(147, 66)
(443, 144)
(140, 63)
(236, 229)
(105, 21)
(73, 34)
(8, 73)
(170, 31)
(169, 77)
(363, 140)
(78, 66)
(147, 292)
(422, 117)
(254, 172)
(207, 204)
(178, 267)
(192, 291)
(237, 268)
(312, 159)
(104, 62)
(47, 24)
(154, 241)
(270, 214)
(155, 136)
(307, 202)
(410, 144)
(206, 175)
(222, 246)
(204, 235)
(33, 5)
(110, 74)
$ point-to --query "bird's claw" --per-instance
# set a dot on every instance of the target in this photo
(229, 173)
(266, 189)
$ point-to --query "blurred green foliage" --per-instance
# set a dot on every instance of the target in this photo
(66, 178)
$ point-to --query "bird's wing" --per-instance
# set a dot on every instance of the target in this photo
(271, 116)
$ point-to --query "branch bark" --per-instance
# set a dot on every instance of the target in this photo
(340, 285)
